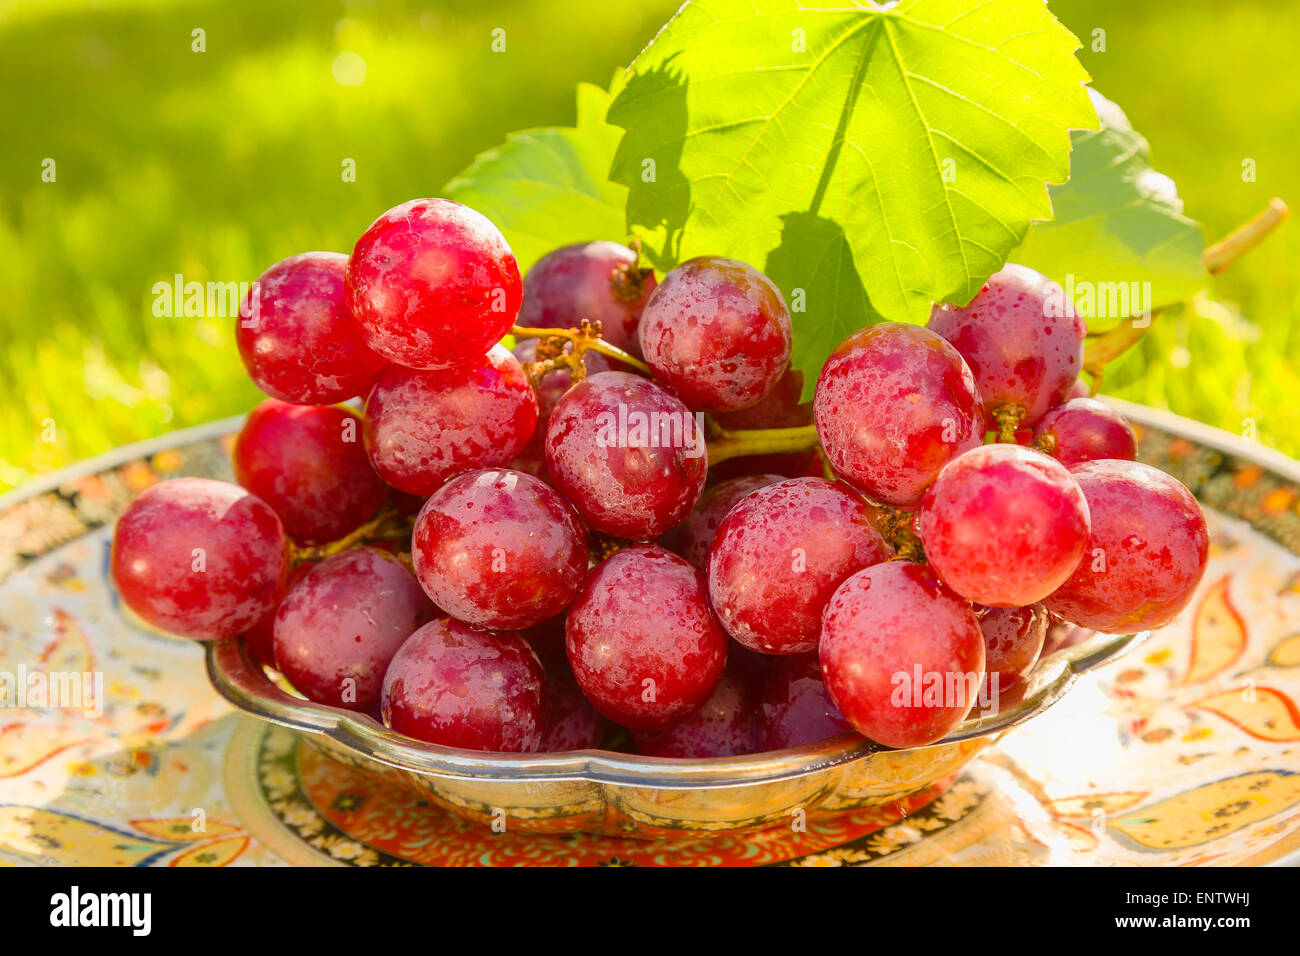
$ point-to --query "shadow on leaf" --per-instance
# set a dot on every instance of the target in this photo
(813, 267)
(648, 163)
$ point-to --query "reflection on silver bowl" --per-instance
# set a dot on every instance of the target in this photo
(628, 795)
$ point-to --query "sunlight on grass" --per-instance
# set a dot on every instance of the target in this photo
(1199, 81)
(216, 164)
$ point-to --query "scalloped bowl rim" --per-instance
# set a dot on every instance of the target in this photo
(246, 686)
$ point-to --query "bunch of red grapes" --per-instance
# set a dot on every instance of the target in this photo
(576, 574)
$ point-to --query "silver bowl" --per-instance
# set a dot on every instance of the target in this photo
(600, 791)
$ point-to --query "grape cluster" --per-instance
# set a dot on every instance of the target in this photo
(553, 548)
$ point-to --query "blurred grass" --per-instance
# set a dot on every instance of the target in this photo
(1211, 85)
(217, 164)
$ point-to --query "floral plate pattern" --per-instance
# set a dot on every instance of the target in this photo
(1185, 752)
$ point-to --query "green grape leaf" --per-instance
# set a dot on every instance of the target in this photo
(871, 160)
(1119, 241)
(549, 187)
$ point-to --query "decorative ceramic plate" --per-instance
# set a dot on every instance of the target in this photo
(1185, 752)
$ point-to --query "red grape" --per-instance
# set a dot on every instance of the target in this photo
(693, 537)
(751, 665)
(902, 655)
(296, 335)
(259, 640)
(894, 404)
(725, 725)
(571, 723)
(499, 549)
(717, 332)
(546, 637)
(1013, 640)
(641, 639)
(779, 408)
(457, 686)
(552, 385)
(1084, 429)
(309, 464)
(341, 624)
(422, 427)
(1004, 525)
(1146, 553)
(796, 708)
(405, 504)
(199, 558)
(433, 285)
(627, 454)
(1022, 340)
(599, 281)
(779, 555)
(1062, 634)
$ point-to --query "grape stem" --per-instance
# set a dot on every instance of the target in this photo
(606, 545)
(895, 526)
(733, 443)
(627, 281)
(583, 337)
(1008, 418)
(1245, 237)
(386, 523)
(1101, 348)
(723, 443)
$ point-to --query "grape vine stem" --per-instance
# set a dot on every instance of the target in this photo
(1102, 348)
(728, 443)
(581, 338)
(386, 523)
(1245, 237)
(722, 443)
(1008, 418)
(895, 525)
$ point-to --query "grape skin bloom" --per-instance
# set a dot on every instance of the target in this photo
(433, 284)
(1146, 552)
(894, 404)
(635, 482)
(200, 558)
(499, 549)
(643, 644)
(422, 427)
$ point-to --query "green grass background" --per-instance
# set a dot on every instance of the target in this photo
(217, 164)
